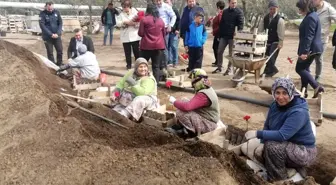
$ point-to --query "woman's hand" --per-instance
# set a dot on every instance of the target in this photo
(172, 99)
(303, 57)
(250, 134)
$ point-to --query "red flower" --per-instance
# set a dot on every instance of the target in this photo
(168, 84)
(185, 56)
(290, 60)
(247, 117)
(117, 94)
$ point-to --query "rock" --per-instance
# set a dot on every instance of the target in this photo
(176, 174)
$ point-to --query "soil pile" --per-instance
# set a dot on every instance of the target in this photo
(40, 145)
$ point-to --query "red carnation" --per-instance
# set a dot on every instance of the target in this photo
(290, 60)
(117, 94)
(168, 84)
(247, 117)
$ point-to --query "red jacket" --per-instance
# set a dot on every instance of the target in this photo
(215, 23)
(152, 33)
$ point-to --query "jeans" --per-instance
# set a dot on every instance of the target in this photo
(215, 45)
(270, 66)
(221, 48)
(107, 28)
(302, 68)
(172, 48)
(50, 44)
(319, 62)
(128, 47)
(165, 59)
(155, 56)
(195, 57)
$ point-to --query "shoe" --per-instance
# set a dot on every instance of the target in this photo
(227, 72)
(218, 70)
(214, 64)
(185, 70)
(317, 91)
(318, 78)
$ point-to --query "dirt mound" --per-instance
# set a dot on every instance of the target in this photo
(40, 145)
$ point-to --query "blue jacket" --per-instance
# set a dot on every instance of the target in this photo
(310, 35)
(188, 17)
(292, 124)
(195, 36)
(50, 23)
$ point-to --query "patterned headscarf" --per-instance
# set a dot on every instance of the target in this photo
(287, 84)
(137, 63)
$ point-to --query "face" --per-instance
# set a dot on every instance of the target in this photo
(191, 3)
(273, 10)
(110, 6)
(198, 19)
(142, 70)
(169, 2)
(79, 35)
(300, 12)
(281, 96)
(317, 2)
(233, 3)
(158, 3)
(126, 9)
(50, 7)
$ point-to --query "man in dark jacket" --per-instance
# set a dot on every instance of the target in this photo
(173, 38)
(77, 40)
(109, 21)
(51, 26)
(232, 17)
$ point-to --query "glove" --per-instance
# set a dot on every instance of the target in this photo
(250, 134)
(172, 99)
(62, 68)
(131, 81)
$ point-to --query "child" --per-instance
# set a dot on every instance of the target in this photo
(195, 38)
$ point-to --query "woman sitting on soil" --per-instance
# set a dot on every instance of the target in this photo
(136, 91)
(288, 137)
(199, 115)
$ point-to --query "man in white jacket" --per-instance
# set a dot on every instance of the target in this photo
(326, 13)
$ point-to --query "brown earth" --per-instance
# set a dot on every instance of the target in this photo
(40, 145)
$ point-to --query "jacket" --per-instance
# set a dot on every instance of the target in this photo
(114, 12)
(128, 33)
(326, 14)
(231, 19)
(152, 33)
(87, 64)
(187, 18)
(50, 23)
(177, 22)
(292, 125)
(310, 35)
(72, 49)
(334, 38)
(195, 36)
(215, 23)
(145, 86)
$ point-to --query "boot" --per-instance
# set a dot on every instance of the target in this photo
(317, 91)
(228, 70)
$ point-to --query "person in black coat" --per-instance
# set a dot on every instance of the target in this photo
(310, 45)
(108, 19)
(334, 44)
(76, 41)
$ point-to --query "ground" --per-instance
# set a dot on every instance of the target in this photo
(80, 149)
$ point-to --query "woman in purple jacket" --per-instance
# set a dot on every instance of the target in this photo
(310, 45)
(152, 44)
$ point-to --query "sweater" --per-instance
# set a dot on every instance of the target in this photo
(87, 64)
(292, 125)
(326, 14)
(200, 100)
(187, 18)
(215, 23)
(195, 36)
(128, 33)
(152, 33)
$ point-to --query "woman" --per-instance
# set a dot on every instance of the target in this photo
(310, 45)
(129, 32)
(289, 141)
(152, 31)
(199, 115)
(136, 92)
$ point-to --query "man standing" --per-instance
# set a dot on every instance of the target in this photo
(232, 17)
(173, 38)
(215, 29)
(51, 26)
(77, 40)
(275, 25)
(168, 16)
(109, 21)
(326, 13)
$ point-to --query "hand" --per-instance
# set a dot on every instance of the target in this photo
(172, 99)
(304, 57)
(131, 81)
(279, 46)
(168, 29)
(251, 134)
(186, 48)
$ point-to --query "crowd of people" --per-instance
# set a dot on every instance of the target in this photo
(287, 139)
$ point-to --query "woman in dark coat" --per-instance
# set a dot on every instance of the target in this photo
(310, 45)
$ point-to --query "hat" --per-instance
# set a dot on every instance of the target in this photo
(140, 61)
(82, 49)
(285, 83)
(199, 79)
(273, 3)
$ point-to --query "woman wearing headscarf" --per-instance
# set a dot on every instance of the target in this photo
(199, 115)
(136, 92)
(310, 45)
(129, 32)
(152, 45)
(288, 137)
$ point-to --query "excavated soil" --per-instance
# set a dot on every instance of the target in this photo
(43, 141)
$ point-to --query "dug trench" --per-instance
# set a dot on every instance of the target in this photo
(43, 141)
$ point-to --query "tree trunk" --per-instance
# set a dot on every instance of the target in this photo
(90, 14)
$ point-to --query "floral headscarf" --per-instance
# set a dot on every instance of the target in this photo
(287, 84)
